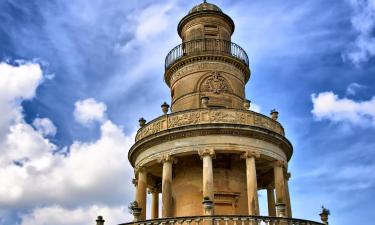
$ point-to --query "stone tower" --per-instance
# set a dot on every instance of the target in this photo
(210, 155)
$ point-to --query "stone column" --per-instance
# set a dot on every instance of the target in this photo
(271, 201)
(287, 196)
(278, 171)
(251, 179)
(166, 198)
(141, 193)
(155, 203)
(208, 176)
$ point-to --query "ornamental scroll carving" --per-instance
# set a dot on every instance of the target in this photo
(215, 83)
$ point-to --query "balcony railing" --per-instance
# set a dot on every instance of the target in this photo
(225, 220)
(206, 46)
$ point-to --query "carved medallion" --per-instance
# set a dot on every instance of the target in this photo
(216, 83)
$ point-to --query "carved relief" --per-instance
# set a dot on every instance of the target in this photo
(210, 116)
(227, 117)
(151, 129)
(216, 83)
(185, 119)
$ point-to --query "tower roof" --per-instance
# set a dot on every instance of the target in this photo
(205, 9)
(205, 6)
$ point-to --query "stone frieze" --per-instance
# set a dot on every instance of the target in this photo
(206, 116)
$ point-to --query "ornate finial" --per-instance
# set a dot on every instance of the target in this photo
(324, 215)
(204, 101)
(274, 114)
(165, 108)
(246, 104)
(100, 221)
(142, 122)
(135, 210)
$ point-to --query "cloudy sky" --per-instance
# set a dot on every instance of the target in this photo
(75, 76)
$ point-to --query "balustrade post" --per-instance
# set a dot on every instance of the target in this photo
(141, 191)
(251, 179)
(208, 179)
(167, 201)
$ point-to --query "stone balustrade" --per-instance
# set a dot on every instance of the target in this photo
(209, 116)
(225, 220)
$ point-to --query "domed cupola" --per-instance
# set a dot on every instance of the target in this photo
(205, 6)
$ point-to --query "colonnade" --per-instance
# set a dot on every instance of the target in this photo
(278, 197)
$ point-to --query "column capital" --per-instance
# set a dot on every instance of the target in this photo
(270, 187)
(152, 190)
(250, 154)
(167, 158)
(280, 163)
(140, 169)
(206, 152)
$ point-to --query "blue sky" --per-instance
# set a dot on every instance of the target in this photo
(76, 76)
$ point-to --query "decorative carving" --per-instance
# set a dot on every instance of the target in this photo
(280, 163)
(151, 128)
(216, 83)
(250, 154)
(167, 158)
(206, 152)
(227, 117)
(140, 169)
(184, 119)
(209, 116)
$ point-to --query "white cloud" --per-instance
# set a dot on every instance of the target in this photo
(32, 175)
(363, 22)
(44, 126)
(80, 216)
(19, 81)
(92, 172)
(153, 21)
(89, 110)
(327, 105)
(16, 84)
(353, 88)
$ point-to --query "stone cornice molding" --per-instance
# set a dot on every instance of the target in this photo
(206, 152)
(187, 60)
(208, 129)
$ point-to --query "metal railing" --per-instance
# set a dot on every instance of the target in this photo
(206, 46)
(225, 220)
